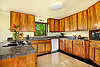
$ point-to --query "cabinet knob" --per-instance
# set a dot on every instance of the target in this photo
(92, 48)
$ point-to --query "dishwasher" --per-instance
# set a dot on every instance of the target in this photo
(54, 44)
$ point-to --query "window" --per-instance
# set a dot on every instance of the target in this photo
(40, 29)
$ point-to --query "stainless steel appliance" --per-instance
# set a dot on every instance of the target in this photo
(96, 36)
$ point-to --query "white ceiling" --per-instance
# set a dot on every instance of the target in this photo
(41, 8)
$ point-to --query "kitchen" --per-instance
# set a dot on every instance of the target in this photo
(80, 28)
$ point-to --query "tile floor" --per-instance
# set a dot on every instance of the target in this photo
(59, 59)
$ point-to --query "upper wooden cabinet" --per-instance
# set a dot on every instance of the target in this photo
(94, 16)
(82, 20)
(14, 19)
(31, 23)
(67, 24)
(28, 21)
(23, 21)
(53, 25)
(62, 25)
(56, 26)
(73, 22)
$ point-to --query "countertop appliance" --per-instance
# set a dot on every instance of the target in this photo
(62, 35)
(54, 44)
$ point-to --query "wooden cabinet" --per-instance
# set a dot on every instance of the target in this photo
(82, 20)
(62, 45)
(77, 50)
(23, 61)
(68, 46)
(35, 46)
(97, 55)
(28, 21)
(94, 51)
(48, 46)
(14, 19)
(41, 48)
(56, 25)
(23, 21)
(91, 51)
(73, 22)
(31, 23)
(94, 16)
(97, 11)
(67, 24)
(53, 25)
(62, 25)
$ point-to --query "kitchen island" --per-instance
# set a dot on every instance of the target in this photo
(18, 56)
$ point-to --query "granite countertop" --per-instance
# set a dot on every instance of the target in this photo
(21, 50)
(15, 51)
(46, 38)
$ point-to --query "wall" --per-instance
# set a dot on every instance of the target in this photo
(83, 33)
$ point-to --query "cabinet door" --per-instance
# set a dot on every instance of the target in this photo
(73, 22)
(41, 47)
(82, 20)
(63, 25)
(60, 25)
(97, 9)
(92, 20)
(31, 23)
(62, 47)
(48, 46)
(77, 50)
(91, 52)
(14, 19)
(69, 48)
(51, 25)
(56, 25)
(97, 55)
(23, 21)
(35, 46)
(67, 24)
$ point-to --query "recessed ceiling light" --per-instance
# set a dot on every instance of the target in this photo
(56, 6)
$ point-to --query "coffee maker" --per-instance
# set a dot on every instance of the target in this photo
(62, 35)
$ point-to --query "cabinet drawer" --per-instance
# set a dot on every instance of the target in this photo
(48, 40)
(77, 42)
(36, 41)
(91, 43)
(62, 39)
(68, 41)
(41, 41)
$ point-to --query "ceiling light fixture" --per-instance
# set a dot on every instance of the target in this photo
(56, 6)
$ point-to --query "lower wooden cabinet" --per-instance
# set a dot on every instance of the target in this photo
(97, 55)
(94, 51)
(62, 46)
(77, 50)
(69, 48)
(35, 46)
(91, 52)
(41, 46)
(48, 46)
(23, 61)
(74, 47)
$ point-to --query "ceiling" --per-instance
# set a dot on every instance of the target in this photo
(41, 8)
